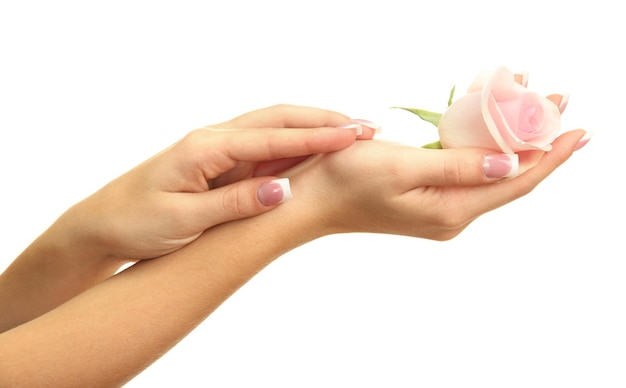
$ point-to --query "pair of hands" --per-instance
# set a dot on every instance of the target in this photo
(213, 174)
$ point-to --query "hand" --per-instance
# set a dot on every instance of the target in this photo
(213, 175)
(381, 187)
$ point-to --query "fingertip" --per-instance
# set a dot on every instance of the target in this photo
(583, 141)
(577, 138)
(357, 128)
(243, 199)
(368, 124)
(274, 192)
(367, 129)
(521, 78)
(497, 166)
(562, 148)
(560, 100)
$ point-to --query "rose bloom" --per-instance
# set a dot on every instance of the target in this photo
(500, 114)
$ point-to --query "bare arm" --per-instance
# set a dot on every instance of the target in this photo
(213, 175)
(111, 332)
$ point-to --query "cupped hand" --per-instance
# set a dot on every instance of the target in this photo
(382, 187)
(213, 175)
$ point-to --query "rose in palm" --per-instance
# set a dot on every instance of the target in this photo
(500, 114)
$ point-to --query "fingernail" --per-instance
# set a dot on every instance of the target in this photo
(564, 101)
(359, 130)
(274, 192)
(583, 141)
(377, 128)
(501, 165)
(525, 79)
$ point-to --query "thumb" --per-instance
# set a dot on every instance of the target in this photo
(241, 199)
(463, 166)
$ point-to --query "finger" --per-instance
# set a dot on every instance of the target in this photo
(368, 129)
(507, 191)
(242, 199)
(559, 100)
(455, 167)
(287, 116)
(521, 79)
(265, 144)
(464, 204)
(276, 167)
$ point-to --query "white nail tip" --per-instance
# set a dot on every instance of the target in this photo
(514, 166)
(525, 79)
(357, 127)
(377, 128)
(564, 101)
(286, 187)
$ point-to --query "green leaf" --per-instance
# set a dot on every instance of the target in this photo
(434, 146)
(431, 117)
(451, 95)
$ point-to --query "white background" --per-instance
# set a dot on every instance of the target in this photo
(531, 294)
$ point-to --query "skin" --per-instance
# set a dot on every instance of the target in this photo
(371, 186)
(209, 177)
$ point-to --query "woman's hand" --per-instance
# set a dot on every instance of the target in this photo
(382, 187)
(215, 174)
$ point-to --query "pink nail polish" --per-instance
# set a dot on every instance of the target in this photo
(583, 141)
(274, 192)
(501, 165)
(525, 79)
(564, 101)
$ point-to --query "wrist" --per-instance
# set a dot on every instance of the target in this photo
(53, 269)
(76, 237)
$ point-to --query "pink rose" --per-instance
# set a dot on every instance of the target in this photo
(500, 114)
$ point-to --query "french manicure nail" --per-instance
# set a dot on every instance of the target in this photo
(501, 165)
(583, 141)
(564, 101)
(377, 128)
(274, 192)
(357, 127)
(525, 79)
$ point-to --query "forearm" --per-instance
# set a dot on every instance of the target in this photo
(54, 268)
(120, 326)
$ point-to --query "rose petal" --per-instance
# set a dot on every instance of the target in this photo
(503, 125)
(500, 113)
(500, 79)
(479, 81)
(462, 125)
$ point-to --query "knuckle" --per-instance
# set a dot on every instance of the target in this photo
(234, 202)
(281, 106)
(197, 137)
(194, 136)
(452, 171)
(192, 141)
(206, 149)
(280, 109)
(463, 167)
